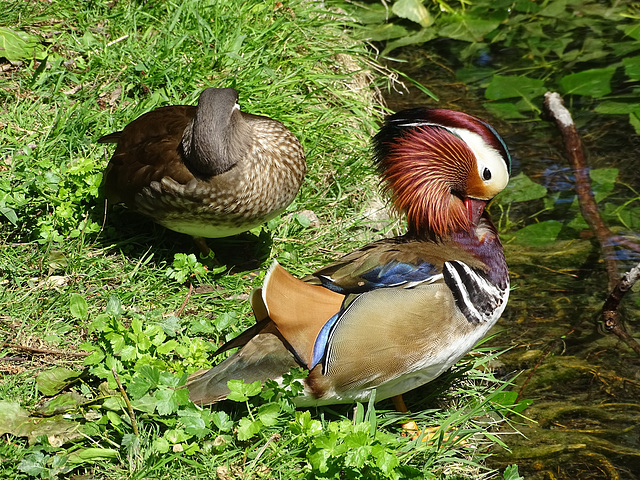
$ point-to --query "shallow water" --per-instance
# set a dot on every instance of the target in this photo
(585, 383)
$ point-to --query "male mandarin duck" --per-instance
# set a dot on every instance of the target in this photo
(207, 171)
(397, 313)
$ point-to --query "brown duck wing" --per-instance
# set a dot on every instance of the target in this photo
(147, 151)
(264, 356)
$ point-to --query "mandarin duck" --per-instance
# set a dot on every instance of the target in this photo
(208, 171)
(398, 312)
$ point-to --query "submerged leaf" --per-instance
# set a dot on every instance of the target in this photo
(634, 120)
(466, 27)
(595, 82)
(632, 67)
(388, 31)
(423, 36)
(616, 108)
(539, 234)
(521, 189)
(502, 87)
(506, 110)
(604, 180)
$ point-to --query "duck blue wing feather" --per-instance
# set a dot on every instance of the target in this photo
(384, 264)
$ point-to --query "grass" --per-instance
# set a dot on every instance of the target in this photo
(79, 281)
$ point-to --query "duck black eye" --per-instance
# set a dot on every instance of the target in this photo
(486, 174)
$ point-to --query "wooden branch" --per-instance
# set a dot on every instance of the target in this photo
(46, 351)
(610, 315)
(575, 153)
(132, 415)
(184, 303)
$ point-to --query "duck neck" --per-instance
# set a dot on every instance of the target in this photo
(211, 146)
(483, 243)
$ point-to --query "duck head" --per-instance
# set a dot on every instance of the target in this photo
(218, 137)
(442, 168)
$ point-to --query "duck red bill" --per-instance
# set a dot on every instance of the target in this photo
(475, 207)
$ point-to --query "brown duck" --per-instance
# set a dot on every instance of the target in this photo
(208, 171)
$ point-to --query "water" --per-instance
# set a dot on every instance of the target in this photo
(585, 383)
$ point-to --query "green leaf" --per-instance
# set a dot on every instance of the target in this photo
(595, 82)
(184, 266)
(241, 391)
(318, 458)
(632, 67)
(95, 357)
(13, 418)
(114, 306)
(304, 425)
(506, 110)
(225, 320)
(201, 325)
(554, 9)
(247, 428)
(167, 403)
(19, 46)
(138, 387)
(604, 180)
(63, 403)
(632, 30)
(222, 421)
(269, 414)
(466, 27)
(35, 465)
(511, 473)
(634, 120)
(371, 13)
(170, 325)
(176, 435)
(10, 213)
(386, 461)
(422, 36)
(167, 347)
(521, 189)
(388, 31)
(127, 353)
(55, 380)
(413, 10)
(78, 306)
(611, 107)
(502, 87)
(194, 423)
(92, 455)
(539, 234)
(160, 445)
(357, 454)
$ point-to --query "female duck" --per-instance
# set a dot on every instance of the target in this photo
(207, 171)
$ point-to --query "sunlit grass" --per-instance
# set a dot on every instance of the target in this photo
(107, 63)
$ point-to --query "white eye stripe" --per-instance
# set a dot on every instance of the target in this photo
(488, 158)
